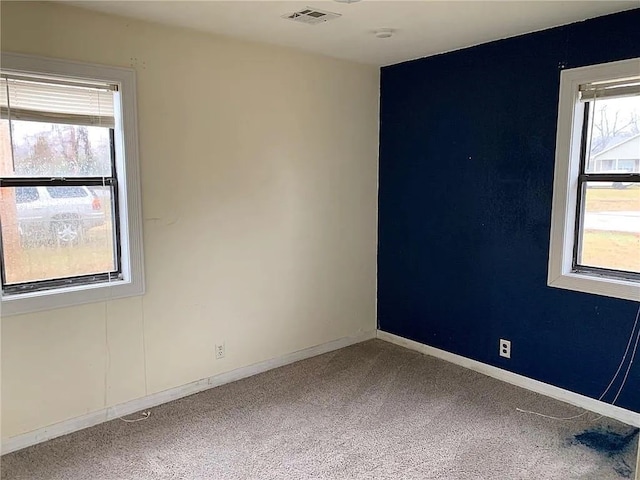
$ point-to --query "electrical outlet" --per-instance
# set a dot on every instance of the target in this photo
(219, 351)
(505, 348)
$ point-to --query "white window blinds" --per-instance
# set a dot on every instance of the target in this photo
(619, 88)
(52, 101)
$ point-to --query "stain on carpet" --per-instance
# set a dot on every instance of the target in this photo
(615, 445)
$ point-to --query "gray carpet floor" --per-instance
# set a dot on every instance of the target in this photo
(370, 411)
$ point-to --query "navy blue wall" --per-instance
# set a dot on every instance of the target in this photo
(467, 142)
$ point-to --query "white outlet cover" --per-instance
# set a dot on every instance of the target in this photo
(505, 348)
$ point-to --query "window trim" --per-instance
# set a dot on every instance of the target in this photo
(561, 273)
(129, 193)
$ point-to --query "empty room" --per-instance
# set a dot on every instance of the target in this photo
(337, 239)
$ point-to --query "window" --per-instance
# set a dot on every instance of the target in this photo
(70, 220)
(595, 231)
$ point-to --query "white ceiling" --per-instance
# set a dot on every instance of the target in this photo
(421, 28)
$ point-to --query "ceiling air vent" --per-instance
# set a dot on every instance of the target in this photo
(311, 16)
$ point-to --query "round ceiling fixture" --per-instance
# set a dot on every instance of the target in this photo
(384, 33)
(346, 1)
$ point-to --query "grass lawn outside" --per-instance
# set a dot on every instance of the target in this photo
(611, 249)
(613, 200)
(615, 250)
(94, 254)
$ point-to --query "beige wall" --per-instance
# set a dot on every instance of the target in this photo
(259, 186)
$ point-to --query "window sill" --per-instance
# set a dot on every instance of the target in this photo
(598, 285)
(29, 302)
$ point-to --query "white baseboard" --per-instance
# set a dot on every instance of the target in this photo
(24, 440)
(596, 406)
(94, 418)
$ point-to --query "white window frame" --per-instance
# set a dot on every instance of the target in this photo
(565, 185)
(129, 196)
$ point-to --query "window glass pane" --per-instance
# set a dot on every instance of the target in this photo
(49, 235)
(26, 194)
(614, 129)
(67, 192)
(610, 234)
(57, 150)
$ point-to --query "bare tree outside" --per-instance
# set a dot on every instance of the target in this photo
(45, 149)
(613, 121)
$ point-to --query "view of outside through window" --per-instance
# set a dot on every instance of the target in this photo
(51, 232)
(610, 226)
(54, 150)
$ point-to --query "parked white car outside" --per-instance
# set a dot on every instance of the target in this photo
(56, 214)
